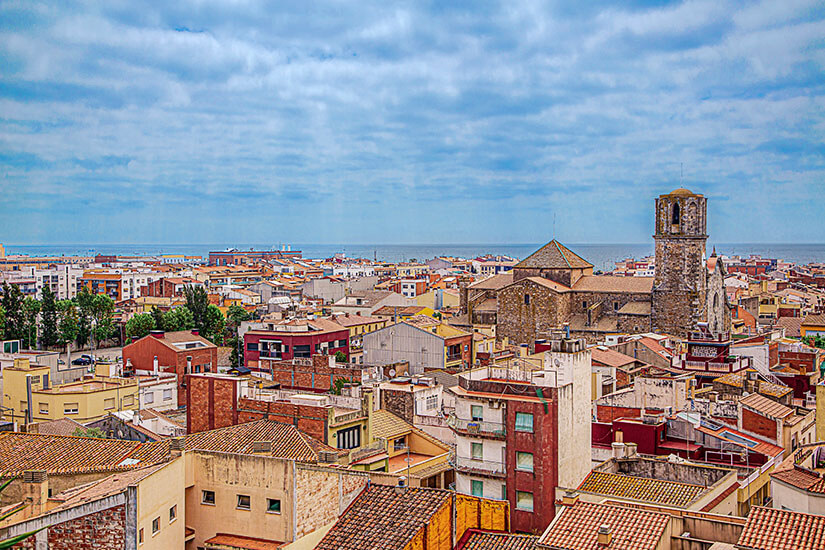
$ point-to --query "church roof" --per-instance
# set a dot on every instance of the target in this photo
(554, 255)
(682, 191)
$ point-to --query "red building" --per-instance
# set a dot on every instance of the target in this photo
(294, 339)
(181, 352)
(709, 355)
(522, 432)
(168, 287)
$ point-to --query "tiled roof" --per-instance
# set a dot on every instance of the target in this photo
(814, 320)
(233, 542)
(65, 454)
(802, 478)
(670, 493)
(759, 446)
(737, 379)
(287, 440)
(384, 517)
(62, 426)
(791, 325)
(547, 283)
(610, 357)
(773, 529)
(576, 528)
(766, 406)
(356, 320)
(402, 311)
(607, 283)
(554, 255)
(635, 308)
(480, 540)
(387, 425)
(493, 283)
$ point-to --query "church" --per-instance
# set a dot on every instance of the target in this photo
(554, 287)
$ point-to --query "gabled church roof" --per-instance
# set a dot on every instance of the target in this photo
(554, 255)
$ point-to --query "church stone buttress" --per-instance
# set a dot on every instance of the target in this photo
(679, 298)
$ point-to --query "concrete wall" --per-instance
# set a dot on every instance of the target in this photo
(403, 342)
(788, 497)
(157, 494)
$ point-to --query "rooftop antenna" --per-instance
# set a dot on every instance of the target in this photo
(681, 173)
(554, 226)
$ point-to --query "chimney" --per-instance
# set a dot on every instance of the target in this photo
(155, 366)
(618, 450)
(36, 490)
(570, 498)
(176, 446)
(156, 334)
(402, 485)
(196, 332)
(605, 536)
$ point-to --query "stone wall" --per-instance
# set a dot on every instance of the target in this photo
(400, 403)
(103, 530)
(322, 495)
(521, 322)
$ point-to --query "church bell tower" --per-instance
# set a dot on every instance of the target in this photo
(680, 284)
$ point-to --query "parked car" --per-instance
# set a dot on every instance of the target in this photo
(83, 360)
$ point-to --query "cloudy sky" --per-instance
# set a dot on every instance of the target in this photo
(373, 122)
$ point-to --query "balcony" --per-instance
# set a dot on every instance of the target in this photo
(478, 428)
(472, 466)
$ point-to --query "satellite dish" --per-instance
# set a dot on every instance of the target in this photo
(556, 362)
(392, 372)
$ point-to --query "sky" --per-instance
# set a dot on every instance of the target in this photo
(414, 122)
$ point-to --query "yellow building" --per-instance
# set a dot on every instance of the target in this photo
(83, 401)
(448, 297)
(359, 325)
(813, 325)
(820, 411)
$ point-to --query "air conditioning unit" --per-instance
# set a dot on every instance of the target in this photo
(495, 404)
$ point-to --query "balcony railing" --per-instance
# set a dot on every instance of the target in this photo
(482, 467)
(476, 427)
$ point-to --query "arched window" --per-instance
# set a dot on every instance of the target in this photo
(526, 299)
(675, 214)
(715, 300)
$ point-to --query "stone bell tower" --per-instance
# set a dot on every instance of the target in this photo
(680, 284)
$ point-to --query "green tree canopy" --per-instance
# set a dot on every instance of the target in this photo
(31, 309)
(12, 303)
(49, 318)
(139, 326)
(179, 318)
(197, 302)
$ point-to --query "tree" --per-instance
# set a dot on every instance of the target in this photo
(31, 309)
(234, 356)
(84, 301)
(2, 323)
(198, 303)
(12, 303)
(179, 318)
(49, 318)
(68, 328)
(89, 432)
(214, 325)
(103, 309)
(157, 315)
(139, 326)
(235, 315)
(340, 357)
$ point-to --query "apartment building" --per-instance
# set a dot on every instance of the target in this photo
(523, 429)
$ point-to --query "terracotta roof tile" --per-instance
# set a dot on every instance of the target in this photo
(576, 528)
(772, 529)
(554, 255)
(670, 493)
(231, 542)
(802, 478)
(480, 540)
(493, 283)
(769, 407)
(387, 425)
(383, 517)
(607, 283)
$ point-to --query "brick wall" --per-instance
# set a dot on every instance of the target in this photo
(400, 403)
(210, 403)
(104, 530)
(318, 375)
(758, 424)
(307, 418)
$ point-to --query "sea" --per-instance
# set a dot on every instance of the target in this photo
(602, 256)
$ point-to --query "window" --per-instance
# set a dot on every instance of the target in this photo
(615, 306)
(477, 450)
(128, 400)
(524, 501)
(149, 397)
(252, 346)
(526, 299)
(342, 343)
(584, 304)
(302, 351)
(35, 379)
(173, 513)
(156, 525)
(477, 488)
(432, 402)
(197, 368)
(524, 422)
(349, 438)
(399, 444)
(273, 506)
(503, 491)
(109, 403)
(244, 502)
(524, 461)
(140, 536)
(70, 408)
(167, 395)
(44, 408)
(476, 413)
(208, 497)
(675, 219)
